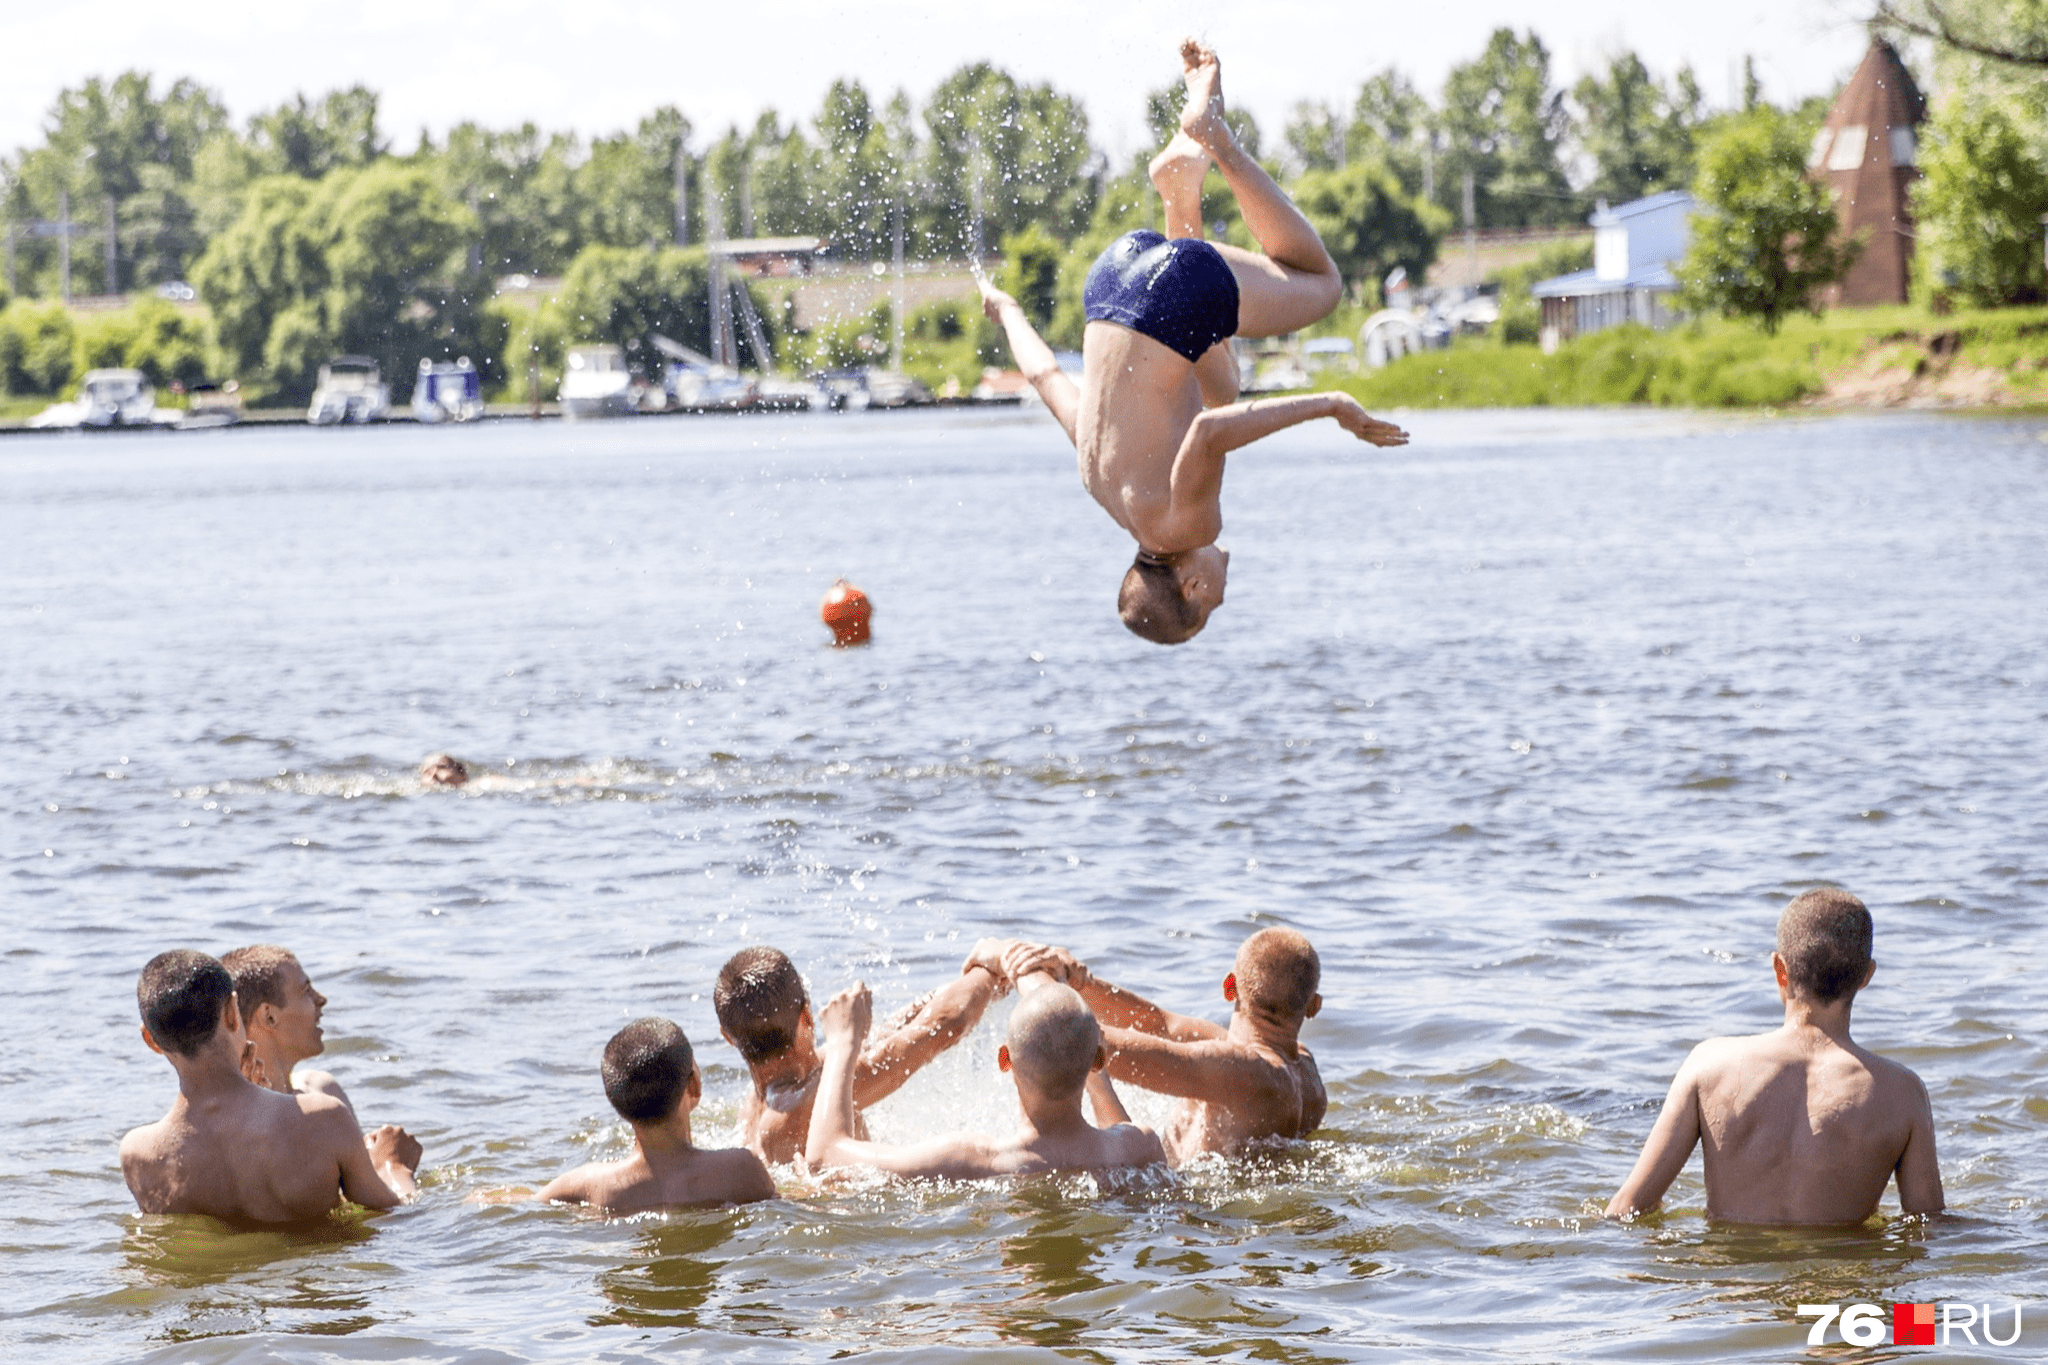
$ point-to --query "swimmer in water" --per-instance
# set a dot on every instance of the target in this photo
(443, 770)
(765, 1013)
(652, 1080)
(1799, 1125)
(1239, 1084)
(1053, 1052)
(1156, 410)
(281, 1015)
(233, 1150)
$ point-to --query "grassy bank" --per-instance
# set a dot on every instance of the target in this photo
(1868, 357)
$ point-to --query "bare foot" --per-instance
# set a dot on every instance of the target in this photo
(1201, 118)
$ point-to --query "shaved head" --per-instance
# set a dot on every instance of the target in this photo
(1824, 938)
(1053, 1037)
(1278, 971)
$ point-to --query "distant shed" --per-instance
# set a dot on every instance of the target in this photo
(1634, 247)
(1866, 152)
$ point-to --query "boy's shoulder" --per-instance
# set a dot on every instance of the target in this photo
(737, 1173)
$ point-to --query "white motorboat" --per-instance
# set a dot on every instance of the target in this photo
(448, 393)
(106, 398)
(351, 390)
(596, 383)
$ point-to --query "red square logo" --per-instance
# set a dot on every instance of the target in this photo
(1912, 1324)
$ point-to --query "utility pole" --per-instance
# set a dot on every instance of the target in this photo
(1471, 230)
(64, 242)
(113, 246)
(896, 307)
(12, 287)
(476, 245)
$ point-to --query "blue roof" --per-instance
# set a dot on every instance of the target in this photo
(1602, 217)
(1656, 275)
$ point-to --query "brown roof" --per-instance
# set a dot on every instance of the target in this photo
(1866, 151)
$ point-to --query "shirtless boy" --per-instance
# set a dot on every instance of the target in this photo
(1799, 1125)
(1155, 412)
(1054, 1053)
(651, 1078)
(281, 1013)
(1237, 1084)
(233, 1150)
(764, 1012)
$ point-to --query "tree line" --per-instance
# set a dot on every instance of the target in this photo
(307, 232)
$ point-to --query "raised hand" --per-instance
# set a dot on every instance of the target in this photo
(988, 954)
(392, 1145)
(849, 1014)
(993, 300)
(252, 1067)
(1365, 426)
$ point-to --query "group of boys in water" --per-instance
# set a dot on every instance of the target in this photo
(1799, 1125)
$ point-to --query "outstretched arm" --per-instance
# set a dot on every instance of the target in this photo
(1114, 1006)
(1062, 396)
(1669, 1147)
(939, 1022)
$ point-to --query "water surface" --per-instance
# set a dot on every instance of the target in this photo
(1532, 726)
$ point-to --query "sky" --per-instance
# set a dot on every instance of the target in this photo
(596, 66)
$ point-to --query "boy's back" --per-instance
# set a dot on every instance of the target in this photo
(258, 1156)
(1796, 1128)
(1801, 1124)
(690, 1179)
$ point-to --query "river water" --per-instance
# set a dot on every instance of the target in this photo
(1532, 726)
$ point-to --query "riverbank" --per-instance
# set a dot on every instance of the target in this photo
(1898, 357)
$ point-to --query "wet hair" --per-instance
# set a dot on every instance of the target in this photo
(258, 972)
(1824, 937)
(1278, 970)
(181, 995)
(647, 1067)
(459, 771)
(1152, 604)
(1053, 1037)
(758, 998)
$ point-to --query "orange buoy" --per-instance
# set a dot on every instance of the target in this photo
(847, 610)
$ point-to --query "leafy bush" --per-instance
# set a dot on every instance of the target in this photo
(150, 336)
(1368, 223)
(626, 294)
(1521, 316)
(1979, 206)
(38, 348)
(1031, 272)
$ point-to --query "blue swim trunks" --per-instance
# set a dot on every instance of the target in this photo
(1179, 292)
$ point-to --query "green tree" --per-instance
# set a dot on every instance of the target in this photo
(1001, 155)
(520, 183)
(1369, 223)
(366, 261)
(309, 140)
(151, 336)
(1639, 134)
(1766, 241)
(1392, 122)
(1031, 272)
(1316, 137)
(124, 139)
(628, 186)
(1504, 123)
(1979, 204)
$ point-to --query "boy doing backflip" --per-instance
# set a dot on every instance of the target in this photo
(1155, 412)
(1799, 1125)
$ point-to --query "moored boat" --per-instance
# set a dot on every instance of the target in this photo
(351, 389)
(596, 383)
(448, 393)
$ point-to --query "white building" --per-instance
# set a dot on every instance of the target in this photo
(1634, 247)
